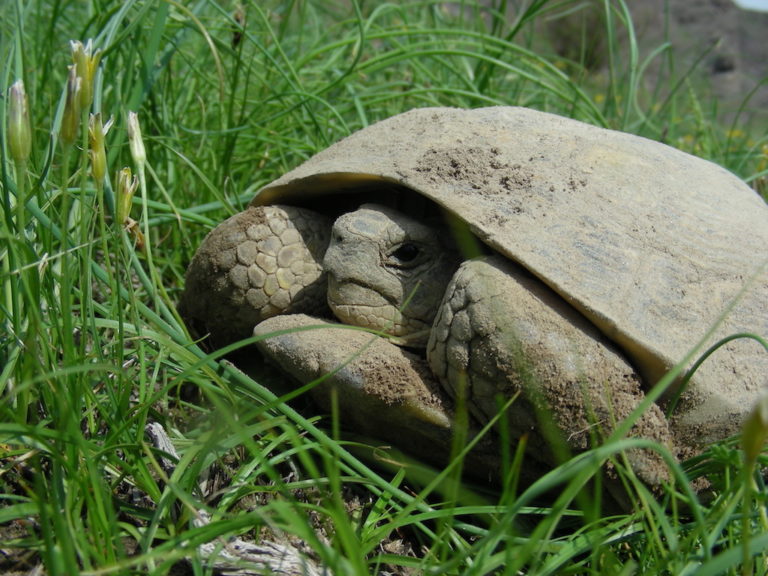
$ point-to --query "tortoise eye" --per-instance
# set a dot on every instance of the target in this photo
(406, 253)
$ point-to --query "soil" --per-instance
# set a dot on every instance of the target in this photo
(723, 44)
(732, 41)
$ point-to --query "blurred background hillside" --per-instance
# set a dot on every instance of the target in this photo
(722, 46)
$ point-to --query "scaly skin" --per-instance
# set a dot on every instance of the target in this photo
(491, 331)
(387, 272)
(259, 263)
(495, 333)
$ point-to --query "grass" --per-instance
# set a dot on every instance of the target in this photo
(92, 349)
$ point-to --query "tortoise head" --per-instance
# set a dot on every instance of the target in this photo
(388, 272)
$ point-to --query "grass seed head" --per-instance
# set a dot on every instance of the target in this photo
(127, 183)
(97, 152)
(86, 61)
(135, 140)
(755, 430)
(71, 118)
(19, 131)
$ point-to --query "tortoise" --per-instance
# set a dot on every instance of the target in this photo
(507, 259)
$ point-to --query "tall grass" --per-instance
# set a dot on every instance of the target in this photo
(91, 347)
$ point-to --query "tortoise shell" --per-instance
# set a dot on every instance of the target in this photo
(664, 252)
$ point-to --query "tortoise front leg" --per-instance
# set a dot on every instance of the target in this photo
(500, 333)
(257, 264)
(381, 390)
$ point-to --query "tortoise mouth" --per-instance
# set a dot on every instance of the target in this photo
(360, 305)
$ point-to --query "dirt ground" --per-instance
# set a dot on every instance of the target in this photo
(728, 43)
(733, 40)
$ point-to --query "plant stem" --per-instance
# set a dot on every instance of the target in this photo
(66, 281)
(26, 340)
